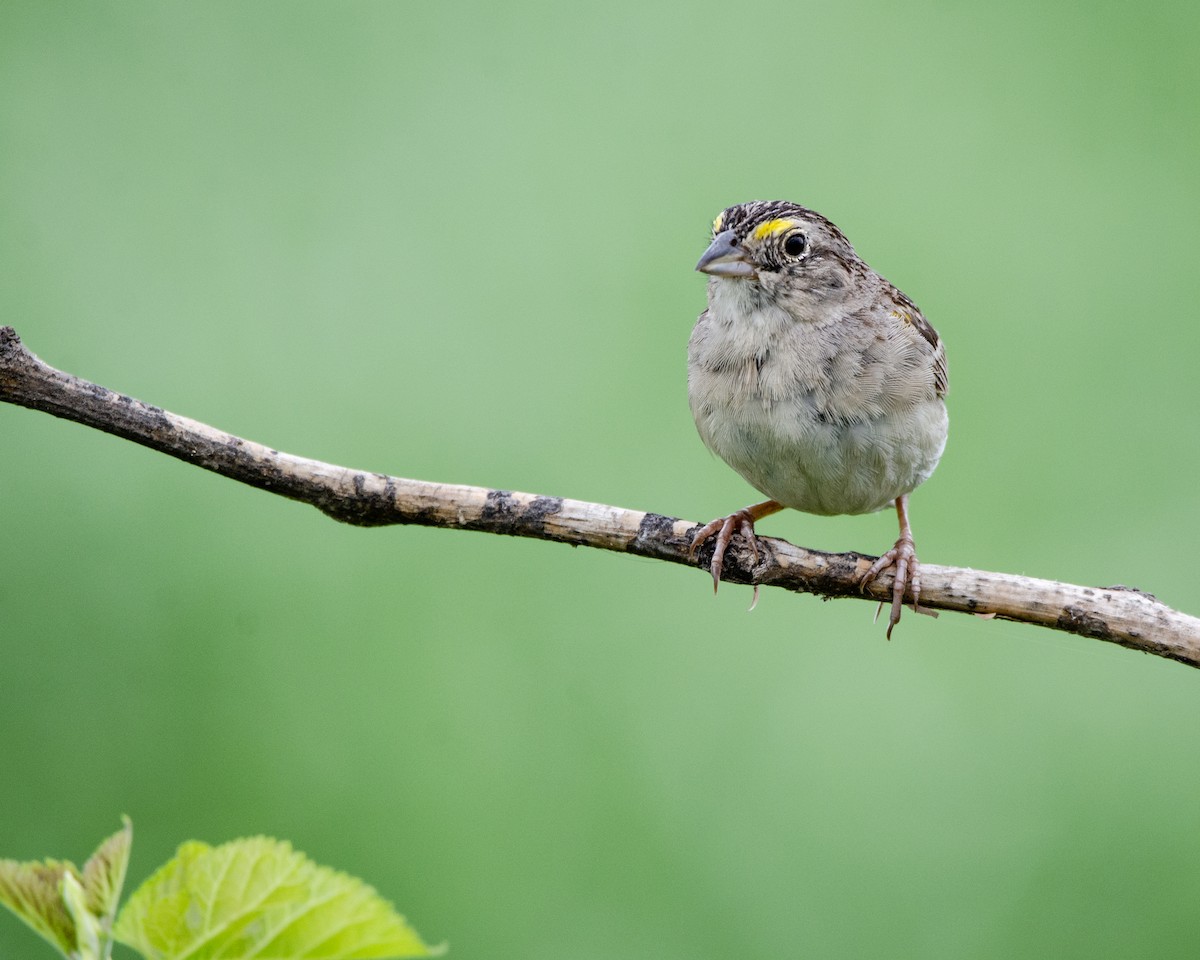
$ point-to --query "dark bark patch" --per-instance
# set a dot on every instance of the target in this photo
(1076, 620)
(504, 513)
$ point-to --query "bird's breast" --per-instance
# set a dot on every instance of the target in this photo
(819, 425)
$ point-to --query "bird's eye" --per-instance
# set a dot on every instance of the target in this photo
(795, 244)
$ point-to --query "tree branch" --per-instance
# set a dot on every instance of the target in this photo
(1117, 614)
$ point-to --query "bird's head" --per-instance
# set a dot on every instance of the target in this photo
(782, 251)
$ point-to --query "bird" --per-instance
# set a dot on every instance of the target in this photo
(816, 379)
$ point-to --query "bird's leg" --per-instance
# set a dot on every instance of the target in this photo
(725, 527)
(903, 556)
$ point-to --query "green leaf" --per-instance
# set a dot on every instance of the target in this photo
(258, 899)
(73, 911)
(31, 891)
(104, 875)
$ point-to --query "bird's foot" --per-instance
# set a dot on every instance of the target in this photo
(907, 577)
(724, 528)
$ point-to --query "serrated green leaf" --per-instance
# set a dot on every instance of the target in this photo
(73, 910)
(104, 875)
(258, 899)
(31, 891)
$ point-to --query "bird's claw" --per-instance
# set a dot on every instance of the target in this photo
(725, 527)
(907, 577)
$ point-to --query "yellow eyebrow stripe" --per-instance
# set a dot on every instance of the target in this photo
(771, 227)
(717, 223)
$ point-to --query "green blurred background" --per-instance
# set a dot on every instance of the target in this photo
(455, 242)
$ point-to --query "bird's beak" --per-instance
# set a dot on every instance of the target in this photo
(724, 258)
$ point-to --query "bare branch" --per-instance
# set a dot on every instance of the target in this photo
(1118, 614)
